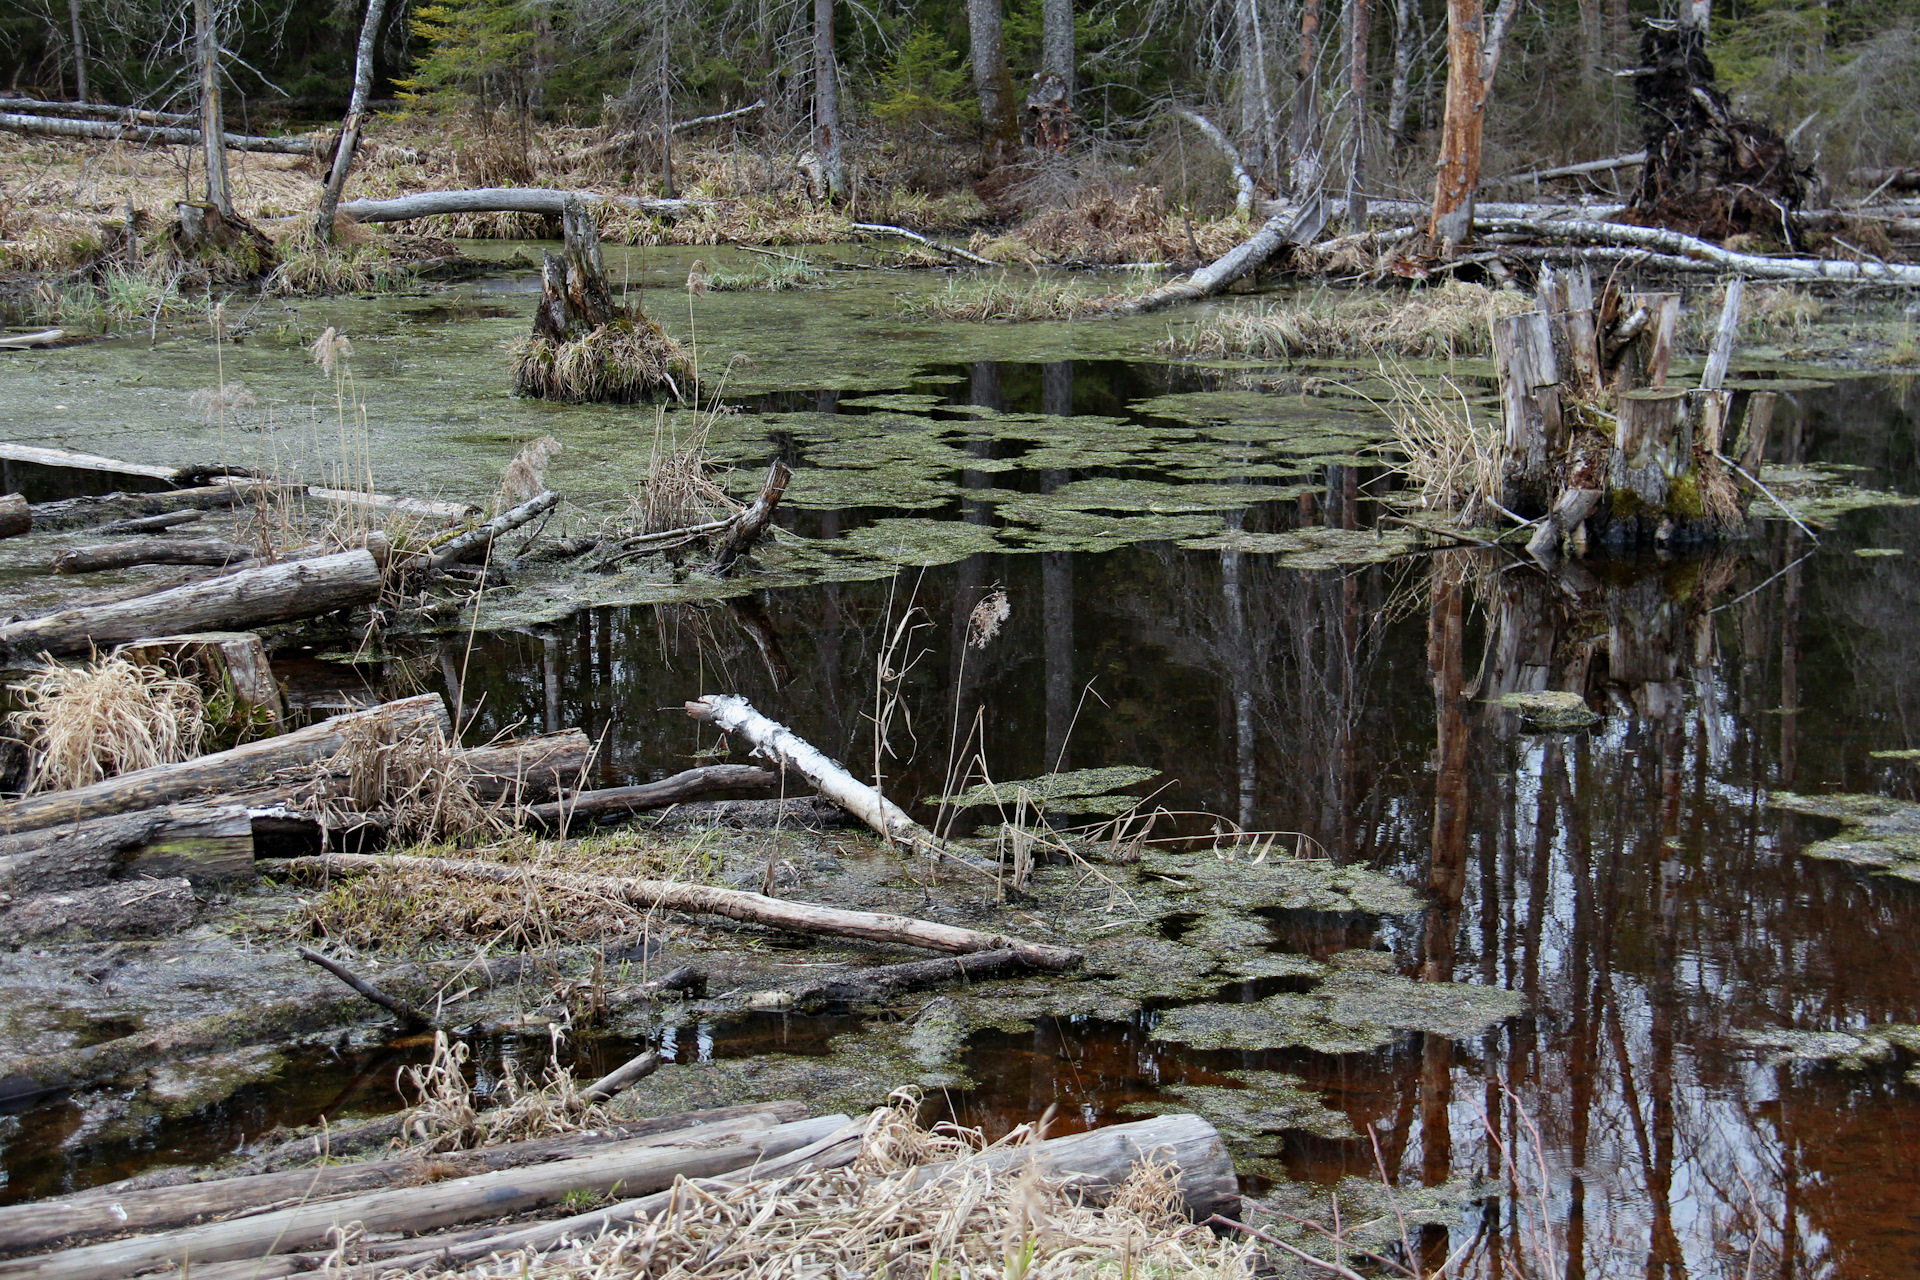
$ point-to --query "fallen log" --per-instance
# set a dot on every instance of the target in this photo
(685, 980)
(231, 602)
(746, 528)
(206, 844)
(694, 899)
(103, 110)
(1694, 249)
(16, 517)
(115, 1210)
(40, 126)
(1631, 159)
(890, 980)
(652, 795)
(540, 200)
(128, 909)
(124, 555)
(624, 1076)
(1885, 179)
(642, 1165)
(152, 524)
(1290, 226)
(428, 508)
(220, 772)
(1242, 180)
(944, 250)
(25, 341)
(77, 513)
(543, 764)
(43, 456)
(474, 544)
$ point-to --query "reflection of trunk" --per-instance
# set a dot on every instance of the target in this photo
(207, 44)
(349, 140)
(1790, 667)
(550, 678)
(1239, 660)
(1056, 585)
(1663, 1246)
(826, 100)
(1583, 1059)
(990, 78)
(1256, 97)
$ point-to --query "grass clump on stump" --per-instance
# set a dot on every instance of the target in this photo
(585, 347)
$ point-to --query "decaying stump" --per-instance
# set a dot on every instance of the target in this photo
(219, 247)
(16, 517)
(1598, 444)
(585, 346)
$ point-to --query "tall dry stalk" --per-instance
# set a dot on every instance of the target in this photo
(1454, 461)
(104, 718)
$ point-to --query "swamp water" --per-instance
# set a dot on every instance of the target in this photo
(1694, 1085)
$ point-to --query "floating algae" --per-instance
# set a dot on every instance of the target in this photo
(1843, 1049)
(1879, 833)
(1241, 946)
(905, 541)
(1551, 709)
(1314, 547)
(1820, 495)
(1373, 1216)
(1876, 553)
(1249, 1118)
(1053, 790)
(1283, 883)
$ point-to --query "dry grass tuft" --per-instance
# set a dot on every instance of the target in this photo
(1111, 226)
(872, 1220)
(616, 363)
(1001, 298)
(1453, 461)
(1452, 320)
(778, 276)
(358, 261)
(105, 718)
(682, 485)
(412, 780)
(444, 1116)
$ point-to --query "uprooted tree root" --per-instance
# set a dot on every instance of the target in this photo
(1452, 320)
(618, 362)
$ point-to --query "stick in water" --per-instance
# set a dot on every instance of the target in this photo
(392, 1004)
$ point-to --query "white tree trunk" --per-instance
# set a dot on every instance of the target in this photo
(356, 115)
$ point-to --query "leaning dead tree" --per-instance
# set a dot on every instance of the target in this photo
(585, 346)
(349, 140)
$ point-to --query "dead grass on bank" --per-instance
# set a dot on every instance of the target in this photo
(411, 781)
(106, 717)
(1452, 320)
(445, 1115)
(1004, 298)
(871, 1220)
(682, 487)
(1112, 226)
(1452, 461)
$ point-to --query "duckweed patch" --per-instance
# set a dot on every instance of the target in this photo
(1354, 1010)
(1251, 1117)
(1315, 547)
(1846, 1050)
(1281, 883)
(1879, 833)
(1551, 709)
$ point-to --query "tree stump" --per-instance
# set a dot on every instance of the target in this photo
(221, 248)
(585, 347)
(1530, 398)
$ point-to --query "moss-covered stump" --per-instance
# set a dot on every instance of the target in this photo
(216, 248)
(585, 347)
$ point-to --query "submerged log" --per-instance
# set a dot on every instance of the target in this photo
(234, 601)
(220, 772)
(652, 795)
(109, 1211)
(734, 904)
(16, 517)
(124, 555)
(642, 1165)
(945, 250)
(152, 524)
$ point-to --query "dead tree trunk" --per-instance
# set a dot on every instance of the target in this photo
(118, 131)
(1256, 96)
(349, 140)
(1357, 33)
(1474, 42)
(826, 102)
(987, 41)
(207, 45)
(1306, 167)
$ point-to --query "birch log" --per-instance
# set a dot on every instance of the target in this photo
(1695, 249)
(104, 132)
(643, 1165)
(221, 771)
(497, 200)
(230, 602)
(1242, 180)
(473, 544)
(696, 899)
(1289, 226)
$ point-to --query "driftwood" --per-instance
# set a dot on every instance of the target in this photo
(16, 517)
(117, 1209)
(123, 555)
(77, 513)
(734, 904)
(152, 524)
(1242, 180)
(24, 341)
(944, 250)
(1290, 226)
(48, 457)
(652, 795)
(889, 980)
(642, 1165)
(407, 1013)
(128, 909)
(233, 601)
(42, 126)
(222, 771)
(208, 844)
(746, 528)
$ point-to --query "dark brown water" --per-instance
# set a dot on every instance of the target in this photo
(1631, 880)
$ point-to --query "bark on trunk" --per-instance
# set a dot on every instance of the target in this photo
(826, 102)
(349, 141)
(79, 51)
(652, 795)
(1458, 180)
(100, 130)
(643, 1165)
(987, 42)
(16, 517)
(212, 128)
(122, 555)
(1057, 45)
(1256, 93)
(222, 771)
(231, 602)
(1530, 396)
(1357, 36)
(751, 908)
(1306, 167)
(1400, 95)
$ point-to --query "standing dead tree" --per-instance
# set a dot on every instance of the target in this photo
(1474, 45)
(349, 140)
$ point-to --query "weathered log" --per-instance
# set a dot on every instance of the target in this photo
(652, 795)
(78, 513)
(222, 771)
(235, 662)
(152, 524)
(644, 1165)
(44, 456)
(746, 528)
(889, 980)
(945, 250)
(1720, 352)
(122, 555)
(206, 844)
(115, 1210)
(26, 341)
(1290, 226)
(233, 601)
(1530, 396)
(1754, 266)
(128, 909)
(526, 768)
(16, 517)
(1095, 1163)
(407, 1013)
(429, 508)
(1641, 351)
(734, 904)
(97, 110)
(622, 1077)
(102, 131)
(1568, 514)
(1630, 160)
(430, 204)
(474, 544)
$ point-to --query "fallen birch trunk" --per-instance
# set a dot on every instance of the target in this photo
(105, 110)
(1694, 249)
(497, 200)
(102, 131)
(124, 555)
(642, 1165)
(1242, 180)
(944, 250)
(694, 899)
(890, 980)
(231, 602)
(1288, 227)
(16, 517)
(653, 795)
(112, 1212)
(222, 771)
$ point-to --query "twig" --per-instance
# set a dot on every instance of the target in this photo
(392, 1004)
(1755, 482)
